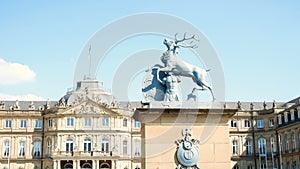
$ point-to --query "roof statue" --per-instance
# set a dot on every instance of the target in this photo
(161, 83)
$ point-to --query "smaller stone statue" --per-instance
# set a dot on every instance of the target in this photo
(251, 106)
(62, 102)
(274, 104)
(16, 105)
(239, 105)
(265, 105)
(2, 105)
(31, 106)
(48, 104)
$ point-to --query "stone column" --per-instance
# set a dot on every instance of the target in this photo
(58, 163)
(54, 164)
(97, 164)
(74, 164)
(113, 165)
(94, 164)
(78, 164)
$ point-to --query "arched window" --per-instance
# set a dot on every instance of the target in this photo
(288, 166)
(104, 166)
(137, 148)
(105, 145)
(249, 147)
(68, 166)
(21, 149)
(263, 166)
(87, 144)
(87, 165)
(6, 148)
(37, 149)
(235, 147)
(125, 147)
(287, 146)
(262, 146)
(294, 166)
(280, 143)
(294, 144)
(48, 147)
(124, 122)
(236, 166)
(69, 145)
(272, 144)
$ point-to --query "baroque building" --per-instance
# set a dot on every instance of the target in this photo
(266, 135)
(88, 128)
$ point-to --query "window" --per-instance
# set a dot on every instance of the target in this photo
(294, 166)
(249, 147)
(271, 122)
(21, 149)
(288, 165)
(6, 148)
(294, 144)
(48, 148)
(23, 124)
(262, 146)
(8, 123)
(280, 144)
(260, 124)
(137, 148)
(87, 144)
(287, 147)
(272, 144)
(247, 123)
(233, 123)
(279, 119)
(69, 145)
(88, 121)
(38, 124)
(70, 121)
(286, 117)
(50, 123)
(234, 147)
(125, 123)
(105, 121)
(105, 145)
(263, 166)
(124, 147)
(137, 124)
(249, 167)
(37, 149)
(236, 167)
(292, 115)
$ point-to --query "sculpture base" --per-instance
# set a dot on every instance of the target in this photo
(161, 127)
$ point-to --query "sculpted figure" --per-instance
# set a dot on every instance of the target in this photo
(179, 67)
(171, 82)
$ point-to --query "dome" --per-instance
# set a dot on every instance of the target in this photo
(88, 89)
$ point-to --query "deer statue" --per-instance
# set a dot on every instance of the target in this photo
(177, 66)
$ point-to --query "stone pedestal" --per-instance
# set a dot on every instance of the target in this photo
(161, 127)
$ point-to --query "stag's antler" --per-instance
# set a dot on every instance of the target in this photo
(177, 42)
(184, 38)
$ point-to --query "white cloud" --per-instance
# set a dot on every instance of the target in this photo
(15, 73)
(26, 97)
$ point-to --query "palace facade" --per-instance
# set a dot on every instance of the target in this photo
(89, 129)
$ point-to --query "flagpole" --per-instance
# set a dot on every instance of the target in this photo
(90, 59)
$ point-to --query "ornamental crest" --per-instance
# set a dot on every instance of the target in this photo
(187, 151)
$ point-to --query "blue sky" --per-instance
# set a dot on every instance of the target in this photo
(257, 42)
